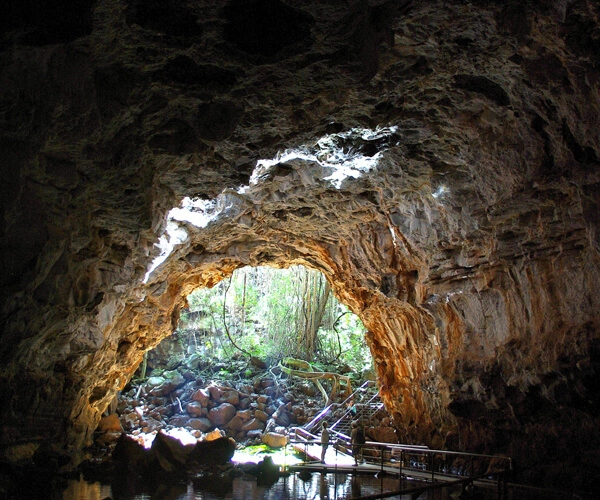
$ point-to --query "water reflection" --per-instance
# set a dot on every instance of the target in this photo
(84, 490)
(297, 486)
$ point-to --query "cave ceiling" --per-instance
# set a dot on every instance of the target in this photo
(437, 161)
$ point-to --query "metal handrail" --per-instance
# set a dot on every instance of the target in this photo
(311, 424)
(420, 462)
(402, 457)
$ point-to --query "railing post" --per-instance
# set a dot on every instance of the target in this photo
(499, 486)
(400, 472)
(431, 465)
(381, 451)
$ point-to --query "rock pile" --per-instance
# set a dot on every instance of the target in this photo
(206, 405)
(251, 411)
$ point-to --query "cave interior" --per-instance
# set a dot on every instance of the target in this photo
(437, 161)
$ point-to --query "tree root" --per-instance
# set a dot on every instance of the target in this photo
(306, 371)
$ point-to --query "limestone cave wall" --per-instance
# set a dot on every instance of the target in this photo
(437, 161)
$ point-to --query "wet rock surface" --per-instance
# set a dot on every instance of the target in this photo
(464, 231)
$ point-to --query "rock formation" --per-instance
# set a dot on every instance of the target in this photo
(437, 161)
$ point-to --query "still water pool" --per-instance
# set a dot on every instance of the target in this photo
(296, 486)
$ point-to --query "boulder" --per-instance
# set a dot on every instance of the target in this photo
(231, 397)
(282, 418)
(202, 396)
(108, 438)
(261, 415)
(130, 453)
(214, 434)
(274, 440)
(216, 452)
(200, 424)
(154, 382)
(245, 415)
(150, 424)
(222, 414)
(254, 434)
(110, 423)
(245, 389)
(195, 409)
(179, 421)
(170, 454)
(236, 423)
(215, 392)
(253, 424)
(172, 380)
(174, 377)
(193, 362)
(188, 375)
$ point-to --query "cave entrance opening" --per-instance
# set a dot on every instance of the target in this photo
(265, 314)
(224, 371)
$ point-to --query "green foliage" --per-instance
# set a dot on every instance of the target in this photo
(272, 313)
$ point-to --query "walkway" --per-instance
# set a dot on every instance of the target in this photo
(438, 468)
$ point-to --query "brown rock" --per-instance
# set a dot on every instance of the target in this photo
(110, 423)
(244, 414)
(236, 423)
(201, 396)
(221, 414)
(215, 393)
(274, 440)
(255, 434)
(214, 434)
(179, 421)
(231, 397)
(108, 438)
(150, 424)
(194, 409)
(253, 424)
(200, 424)
(261, 415)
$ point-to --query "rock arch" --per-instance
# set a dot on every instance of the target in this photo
(463, 231)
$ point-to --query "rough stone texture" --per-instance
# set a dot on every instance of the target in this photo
(466, 237)
(221, 414)
(274, 440)
(202, 396)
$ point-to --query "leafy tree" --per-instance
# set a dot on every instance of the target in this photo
(273, 313)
